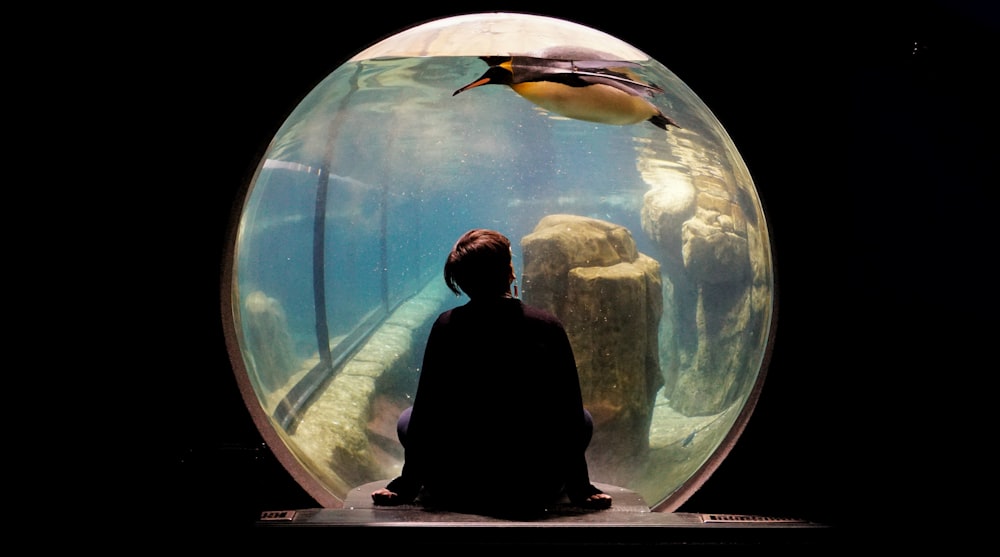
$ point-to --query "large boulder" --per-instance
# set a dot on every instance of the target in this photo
(589, 273)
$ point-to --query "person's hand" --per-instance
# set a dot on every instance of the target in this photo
(385, 497)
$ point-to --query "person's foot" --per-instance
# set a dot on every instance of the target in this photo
(597, 501)
(385, 497)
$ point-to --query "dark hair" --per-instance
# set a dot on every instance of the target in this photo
(479, 264)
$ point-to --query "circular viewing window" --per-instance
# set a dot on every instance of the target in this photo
(634, 220)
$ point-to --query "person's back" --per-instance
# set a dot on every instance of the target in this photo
(498, 418)
(505, 414)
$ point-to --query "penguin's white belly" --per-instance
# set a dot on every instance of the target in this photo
(594, 103)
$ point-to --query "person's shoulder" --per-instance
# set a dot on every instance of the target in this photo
(445, 316)
(538, 314)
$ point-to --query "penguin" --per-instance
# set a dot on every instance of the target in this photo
(592, 90)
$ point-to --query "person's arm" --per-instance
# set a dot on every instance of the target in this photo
(579, 489)
(405, 487)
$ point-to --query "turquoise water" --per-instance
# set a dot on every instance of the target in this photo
(399, 167)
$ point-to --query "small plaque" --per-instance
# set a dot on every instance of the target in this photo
(736, 518)
(274, 516)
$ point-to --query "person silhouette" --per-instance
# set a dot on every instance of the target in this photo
(497, 423)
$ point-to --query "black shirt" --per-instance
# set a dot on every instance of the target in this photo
(498, 413)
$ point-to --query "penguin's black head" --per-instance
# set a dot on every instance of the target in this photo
(495, 60)
(495, 75)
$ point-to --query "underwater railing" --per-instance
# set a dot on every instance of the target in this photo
(288, 410)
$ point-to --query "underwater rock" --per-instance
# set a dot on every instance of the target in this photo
(712, 251)
(267, 333)
(715, 281)
(589, 273)
(562, 242)
(664, 211)
(333, 434)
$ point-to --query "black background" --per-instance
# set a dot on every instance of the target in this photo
(867, 133)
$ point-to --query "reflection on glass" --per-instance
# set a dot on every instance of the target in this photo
(649, 243)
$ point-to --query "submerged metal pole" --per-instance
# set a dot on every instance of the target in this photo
(319, 261)
(287, 411)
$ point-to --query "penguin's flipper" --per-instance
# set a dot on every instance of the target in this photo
(620, 82)
(618, 68)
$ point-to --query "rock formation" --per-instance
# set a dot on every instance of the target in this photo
(717, 290)
(269, 340)
(589, 273)
(333, 436)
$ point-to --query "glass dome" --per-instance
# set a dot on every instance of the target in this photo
(639, 226)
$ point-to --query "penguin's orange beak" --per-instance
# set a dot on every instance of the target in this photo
(481, 81)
